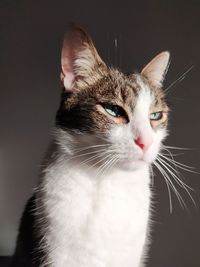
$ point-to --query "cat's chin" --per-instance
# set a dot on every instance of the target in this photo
(132, 165)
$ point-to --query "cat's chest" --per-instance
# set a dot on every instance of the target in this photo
(119, 214)
(120, 201)
(107, 205)
(99, 217)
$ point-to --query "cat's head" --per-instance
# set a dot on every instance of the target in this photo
(119, 115)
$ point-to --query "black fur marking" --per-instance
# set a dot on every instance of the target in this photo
(26, 253)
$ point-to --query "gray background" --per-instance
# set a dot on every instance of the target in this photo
(31, 35)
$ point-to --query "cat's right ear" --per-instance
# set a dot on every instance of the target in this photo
(156, 69)
(79, 59)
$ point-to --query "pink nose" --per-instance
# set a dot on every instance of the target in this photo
(139, 143)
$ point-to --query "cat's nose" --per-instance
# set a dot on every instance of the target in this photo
(142, 143)
(138, 142)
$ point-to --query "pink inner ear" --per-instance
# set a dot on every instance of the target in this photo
(62, 76)
(67, 79)
(67, 59)
(77, 45)
(67, 75)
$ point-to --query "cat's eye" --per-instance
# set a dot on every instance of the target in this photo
(114, 110)
(155, 116)
(118, 114)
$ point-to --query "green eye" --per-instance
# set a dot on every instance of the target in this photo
(155, 116)
(114, 111)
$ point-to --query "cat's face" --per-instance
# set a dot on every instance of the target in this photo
(124, 116)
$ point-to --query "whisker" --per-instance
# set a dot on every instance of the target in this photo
(168, 188)
(181, 183)
(88, 153)
(178, 148)
(174, 155)
(96, 163)
(103, 166)
(106, 166)
(93, 158)
(170, 153)
(90, 147)
(179, 79)
(169, 168)
(179, 164)
(178, 195)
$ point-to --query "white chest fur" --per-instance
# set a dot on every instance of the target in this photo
(95, 221)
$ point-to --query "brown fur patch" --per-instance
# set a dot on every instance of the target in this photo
(112, 87)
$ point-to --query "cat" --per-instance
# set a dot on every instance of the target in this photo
(92, 207)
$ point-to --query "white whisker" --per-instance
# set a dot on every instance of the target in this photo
(179, 79)
(178, 195)
(88, 153)
(100, 155)
(178, 180)
(97, 163)
(179, 164)
(90, 147)
(168, 188)
(106, 166)
(178, 148)
(170, 169)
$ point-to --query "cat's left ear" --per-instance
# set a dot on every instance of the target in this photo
(156, 69)
(80, 62)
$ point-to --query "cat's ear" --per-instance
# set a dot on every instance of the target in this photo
(79, 59)
(156, 69)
